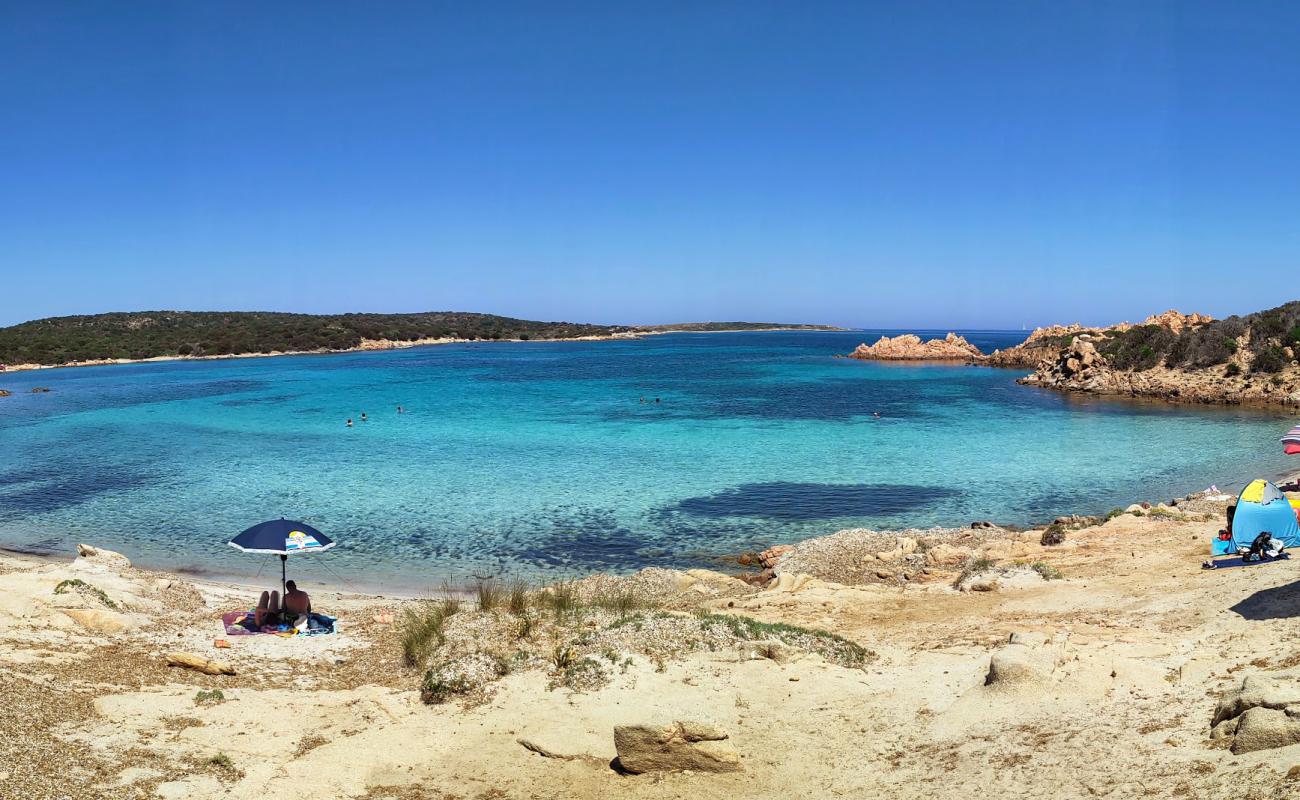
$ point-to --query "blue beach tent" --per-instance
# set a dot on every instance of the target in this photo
(1260, 507)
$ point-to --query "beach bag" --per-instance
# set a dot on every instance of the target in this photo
(1258, 547)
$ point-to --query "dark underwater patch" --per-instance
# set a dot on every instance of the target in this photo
(809, 501)
(274, 399)
(42, 489)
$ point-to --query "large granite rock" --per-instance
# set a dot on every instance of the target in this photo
(1177, 321)
(683, 745)
(1028, 660)
(1260, 714)
(909, 347)
(1264, 729)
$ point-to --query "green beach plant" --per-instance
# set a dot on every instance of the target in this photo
(489, 594)
(76, 583)
(209, 697)
(1053, 534)
(422, 631)
(517, 600)
(563, 598)
(1046, 570)
(562, 655)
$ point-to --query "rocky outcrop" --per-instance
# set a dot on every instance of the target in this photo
(910, 347)
(683, 745)
(1176, 321)
(1042, 344)
(1028, 660)
(770, 557)
(1261, 714)
(199, 663)
(1080, 367)
(1045, 343)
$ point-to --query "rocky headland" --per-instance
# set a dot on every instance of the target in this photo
(1171, 356)
(1182, 358)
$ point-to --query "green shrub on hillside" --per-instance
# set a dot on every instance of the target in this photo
(146, 334)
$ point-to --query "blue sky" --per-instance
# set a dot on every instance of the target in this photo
(908, 164)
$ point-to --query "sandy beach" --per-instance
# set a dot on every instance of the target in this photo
(925, 664)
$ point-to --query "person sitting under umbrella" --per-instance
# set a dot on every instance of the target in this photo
(268, 609)
(297, 603)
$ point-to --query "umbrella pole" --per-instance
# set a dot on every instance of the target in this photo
(284, 560)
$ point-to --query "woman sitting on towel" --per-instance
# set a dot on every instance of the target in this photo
(268, 609)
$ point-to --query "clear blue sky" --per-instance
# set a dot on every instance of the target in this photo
(926, 164)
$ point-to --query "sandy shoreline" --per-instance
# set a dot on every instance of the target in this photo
(981, 663)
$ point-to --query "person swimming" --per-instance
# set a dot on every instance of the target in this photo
(349, 422)
(401, 410)
(875, 414)
(363, 416)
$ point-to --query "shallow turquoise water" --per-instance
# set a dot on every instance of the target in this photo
(541, 457)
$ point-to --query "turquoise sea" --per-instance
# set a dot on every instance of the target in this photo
(541, 458)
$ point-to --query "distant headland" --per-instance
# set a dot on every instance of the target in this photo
(134, 336)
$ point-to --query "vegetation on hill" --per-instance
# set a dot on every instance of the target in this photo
(1269, 341)
(146, 334)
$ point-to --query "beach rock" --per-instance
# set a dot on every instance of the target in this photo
(99, 620)
(791, 582)
(759, 579)
(1225, 729)
(1263, 728)
(1257, 691)
(903, 546)
(199, 663)
(982, 583)
(1176, 321)
(946, 555)
(106, 558)
(1029, 638)
(909, 347)
(683, 745)
(766, 650)
(1019, 664)
(772, 555)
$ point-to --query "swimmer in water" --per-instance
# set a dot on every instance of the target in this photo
(349, 422)
(875, 414)
(363, 416)
(401, 410)
(656, 399)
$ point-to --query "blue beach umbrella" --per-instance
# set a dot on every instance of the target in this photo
(282, 537)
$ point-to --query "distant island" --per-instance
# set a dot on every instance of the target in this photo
(145, 335)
